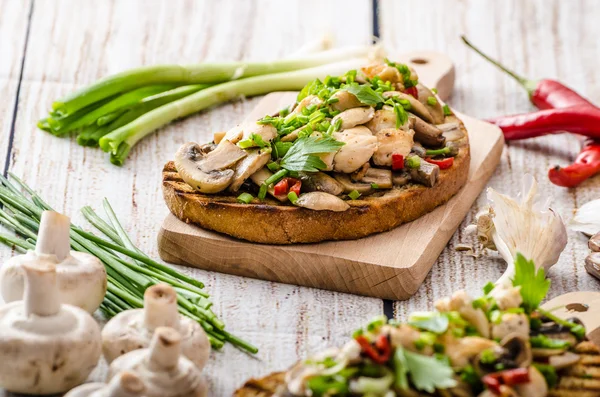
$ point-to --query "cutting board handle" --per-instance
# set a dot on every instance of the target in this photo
(585, 305)
(435, 70)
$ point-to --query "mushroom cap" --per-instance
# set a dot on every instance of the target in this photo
(46, 354)
(320, 201)
(81, 279)
(185, 380)
(126, 332)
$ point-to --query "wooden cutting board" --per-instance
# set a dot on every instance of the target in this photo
(390, 265)
(584, 305)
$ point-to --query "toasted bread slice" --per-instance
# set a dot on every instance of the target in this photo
(271, 222)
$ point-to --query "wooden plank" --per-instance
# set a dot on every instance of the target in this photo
(13, 28)
(539, 39)
(75, 42)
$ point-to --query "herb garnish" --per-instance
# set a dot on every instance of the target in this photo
(534, 285)
(302, 155)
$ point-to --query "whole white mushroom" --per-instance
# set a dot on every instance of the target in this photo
(162, 368)
(45, 347)
(133, 329)
(126, 384)
(81, 277)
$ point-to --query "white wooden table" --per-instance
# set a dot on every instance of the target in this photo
(50, 47)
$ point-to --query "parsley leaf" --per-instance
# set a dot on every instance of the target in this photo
(430, 321)
(426, 373)
(365, 94)
(534, 285)
(301, 156)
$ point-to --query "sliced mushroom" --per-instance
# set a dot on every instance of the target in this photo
(594, 243)
(564, 360)
(400, 178)
(260, 176)
(418, 149)
(355, 116)
(254, 161)
(416, 107)
(517, 349)
(306, 102)
(511, 323)
(360, 173)
(451, 131)
(218, 136)
(385, 118)
(349, 186)
(536, 387)
(357, 150)
(428, 134)
(427, 173)
(381, 178)
(321, 182)
(345, 101)
(392, 141)
(436, 111)
(544, 353)
(208, 173)
(320, 201)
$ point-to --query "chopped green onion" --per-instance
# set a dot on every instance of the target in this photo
(447, 111)
(276, 177)
(246, 143)
(413, 162)
(431, 101)
(354, 194)
(245, 198)
(258, 140)
(434, 90)
(262, 192)
(488, 287)
(374, 186)
(273, 166)
(438, 152)
(293, 197)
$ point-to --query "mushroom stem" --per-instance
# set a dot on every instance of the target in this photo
(160, 307)
(165, 349)
(127, 384)
(53, 236)
(41, 295)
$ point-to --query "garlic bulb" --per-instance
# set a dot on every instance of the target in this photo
(133, 329)
(45, 347)
(163, 370)
(81, 277)
(587, 218)
(527, 226)
(126, 384)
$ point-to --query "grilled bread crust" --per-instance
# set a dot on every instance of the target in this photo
(271, 222)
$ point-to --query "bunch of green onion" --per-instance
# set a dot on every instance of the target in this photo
(129, 270)
(116, 112)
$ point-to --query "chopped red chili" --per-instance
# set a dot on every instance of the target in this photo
(281, 187)
(397, 161)
(515, 376)
(412, 91)
(443, 163)
(380, 353)
(296, 187)
(492, 383)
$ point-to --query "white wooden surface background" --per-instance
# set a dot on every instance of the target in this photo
(50, 47)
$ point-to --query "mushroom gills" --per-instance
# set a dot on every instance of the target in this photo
(254, 161)
(321, 182)
(427, 173)
(321, 201)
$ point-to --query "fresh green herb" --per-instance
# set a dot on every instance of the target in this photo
(426, 373)
(374, 186)
(488, 287)
(273, 166)
(447, 111)
(430, 321)
(245, 198)
(544, 342)
(534, 285)
(425, 339)
(376, 323)
(259, 141)
(576, 329)
(413, 162)
(431, 101)
(549, 373)
(302, 155)
(281, 148)
(327, 385)
(246, 143)
(401, 116)
(434, 90)
(472, 378)
(488, 356)
(293, 197)
(354, 195)
(365, 94)
(496, 316)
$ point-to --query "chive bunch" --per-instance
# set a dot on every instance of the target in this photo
(129, 270)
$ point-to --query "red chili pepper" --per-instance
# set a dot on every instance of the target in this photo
(545, 93)
(515, 376)
(582, 120)
(397, 161)
(414, 91)
(296, 188)
(492, 383)
(380, 353)
(443, 164)
(586, 165)
(281, 187)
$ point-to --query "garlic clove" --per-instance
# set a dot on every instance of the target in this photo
(587, 218)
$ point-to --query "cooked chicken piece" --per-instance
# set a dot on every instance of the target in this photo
(306, 102)
(383, 71)
(385, 118)
(404, 336)
(392, 141)
(416, 107)
(511, 323)
(266, 131)
(357, 150)
(218, 136)
(461, 351)
(355, 116)
(254, 161)
(462, 303)
(234, 135)
(507, 297)
(345, 101)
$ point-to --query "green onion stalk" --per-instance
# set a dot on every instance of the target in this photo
(119, 110)
(129, 270)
